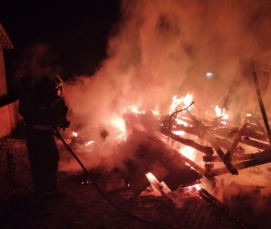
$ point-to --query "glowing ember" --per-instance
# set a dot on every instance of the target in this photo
(154, 182)
(151, 177)
(195, 186)
(181, 122)
(162, 188)
(89, 143)
(189, 165)
(86, 182)
(179, 132)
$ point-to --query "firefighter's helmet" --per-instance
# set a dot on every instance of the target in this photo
(55, 79)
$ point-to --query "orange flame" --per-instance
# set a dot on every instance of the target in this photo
(186, 101)
(119, 124)
(133, 109)
(221, 113)
(175, 103)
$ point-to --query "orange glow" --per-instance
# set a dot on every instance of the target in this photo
(195, 186)
(221, 113)
(89, 143)
(151, 178)
(184, 101)
(155, 112)
(161, 187)
(134, 109)
(188, 99)
(179, 132)
(190, 166)
(175, 103)
(119, 124)
(181, 122)
(188, 152)
(75, 134)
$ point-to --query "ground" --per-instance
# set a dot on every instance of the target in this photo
(83, 206)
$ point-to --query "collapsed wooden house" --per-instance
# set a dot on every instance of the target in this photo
(218, 141)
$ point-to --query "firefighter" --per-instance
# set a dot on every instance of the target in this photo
(43, 110)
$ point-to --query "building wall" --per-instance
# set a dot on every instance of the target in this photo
(3, 84)
(9, 118)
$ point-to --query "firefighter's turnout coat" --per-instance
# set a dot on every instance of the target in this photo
(43, 111)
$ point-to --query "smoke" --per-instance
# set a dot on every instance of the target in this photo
(36, 60)
(159, 49)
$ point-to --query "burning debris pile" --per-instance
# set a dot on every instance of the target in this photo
(181, 149)
(179, 135)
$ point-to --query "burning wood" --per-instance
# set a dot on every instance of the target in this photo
(156, 152)
(157, 185)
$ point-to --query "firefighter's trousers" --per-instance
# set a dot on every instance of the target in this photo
(43, 156)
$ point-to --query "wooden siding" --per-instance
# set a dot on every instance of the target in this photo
(3, 84)
(9, 118)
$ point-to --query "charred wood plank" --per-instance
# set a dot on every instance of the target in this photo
(236, 141)
(244, 157)
(207, 135)
(254, 143)
(231, 133)
(204, 149)
(137, 177)
(241, 165)
(224, 142)
(219, 151)
(174, 155)
(194, 119)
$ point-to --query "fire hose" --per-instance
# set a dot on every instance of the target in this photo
(99, 190)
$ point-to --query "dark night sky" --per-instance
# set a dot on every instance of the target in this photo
(76, 31)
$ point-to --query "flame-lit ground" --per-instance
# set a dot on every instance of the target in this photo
(83, 207)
